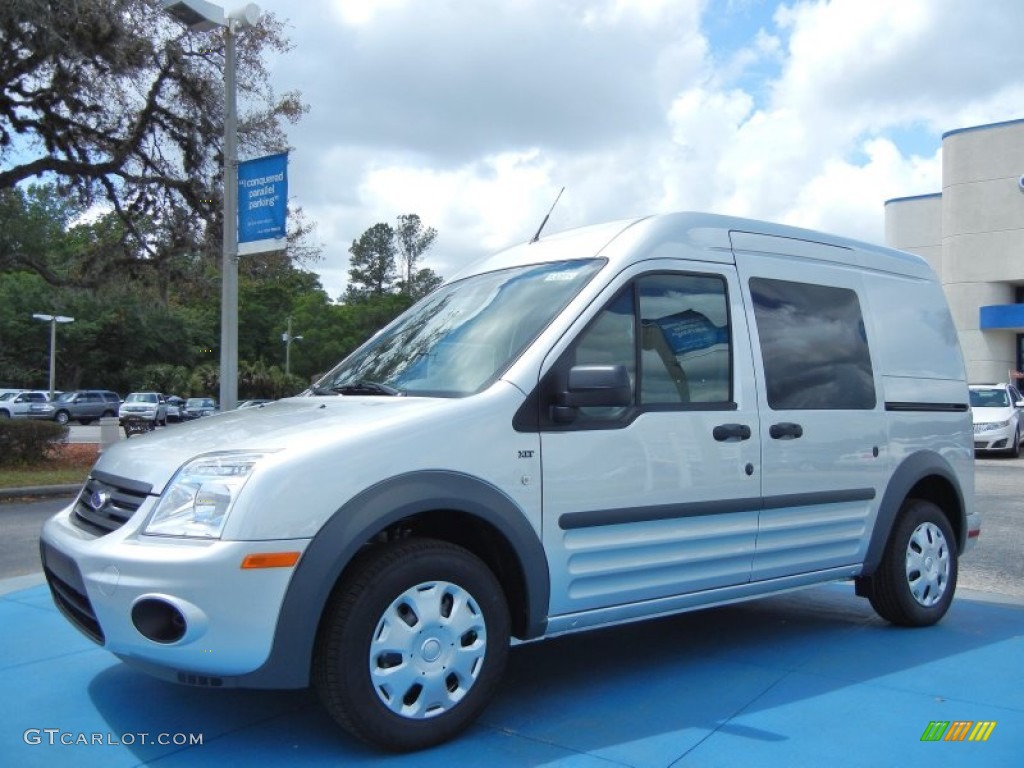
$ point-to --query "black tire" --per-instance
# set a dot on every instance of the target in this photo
(1014, 450)
(107, 414)
(61, 417)
(405, 582)
(915, 582)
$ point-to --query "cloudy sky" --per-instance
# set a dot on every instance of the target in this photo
(474, 113)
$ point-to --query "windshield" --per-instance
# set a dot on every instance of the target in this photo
(989, 398)
(141, 397)
(463, 336)
(7, 395)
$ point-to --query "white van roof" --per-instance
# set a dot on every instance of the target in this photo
(715, 237)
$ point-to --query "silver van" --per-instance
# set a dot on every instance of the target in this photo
(605, 425)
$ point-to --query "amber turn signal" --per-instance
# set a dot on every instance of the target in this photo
(271, 560)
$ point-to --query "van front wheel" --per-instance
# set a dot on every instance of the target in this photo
(914, 584)
(412, 645)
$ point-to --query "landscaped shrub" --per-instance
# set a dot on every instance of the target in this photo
(27, 442)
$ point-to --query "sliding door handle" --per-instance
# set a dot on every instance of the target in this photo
(785, 431)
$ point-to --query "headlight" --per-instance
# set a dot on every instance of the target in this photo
(995, 425)
(199, 497)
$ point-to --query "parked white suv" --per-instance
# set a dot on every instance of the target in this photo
(147, 406)
(605, 425)
(996, 409)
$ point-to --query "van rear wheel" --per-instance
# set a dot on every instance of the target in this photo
(915, 582)
(412, 645)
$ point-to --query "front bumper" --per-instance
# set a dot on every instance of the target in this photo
(999, 439)
(104, 584)
(123, 416)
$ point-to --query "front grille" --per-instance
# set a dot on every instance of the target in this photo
(107, 502)
(68, 590)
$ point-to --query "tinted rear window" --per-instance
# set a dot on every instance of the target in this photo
(814, 346)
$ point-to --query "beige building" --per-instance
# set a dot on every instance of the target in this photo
(972, 233)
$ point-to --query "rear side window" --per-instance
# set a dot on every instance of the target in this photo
(814, 346)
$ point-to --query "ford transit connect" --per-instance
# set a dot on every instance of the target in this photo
(605, 425)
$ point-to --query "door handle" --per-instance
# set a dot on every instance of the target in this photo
(731, 433)
(785, 431)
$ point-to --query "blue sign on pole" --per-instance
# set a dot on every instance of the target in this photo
(262, 203)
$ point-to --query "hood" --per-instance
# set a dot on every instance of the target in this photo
(990, 415)
(293, 423)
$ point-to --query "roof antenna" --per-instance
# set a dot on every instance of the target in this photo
(541, 227)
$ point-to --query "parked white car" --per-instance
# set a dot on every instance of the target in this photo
(996, 410)
(600, 426)
(148, 406)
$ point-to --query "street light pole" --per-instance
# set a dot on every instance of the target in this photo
(203, 16)
(287, 338)
(229, 268)
(53, 320)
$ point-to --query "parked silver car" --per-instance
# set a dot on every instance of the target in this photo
(175, 406)
(195, 407)
(16, 405)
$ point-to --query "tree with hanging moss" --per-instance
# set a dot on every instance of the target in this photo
(122, 110)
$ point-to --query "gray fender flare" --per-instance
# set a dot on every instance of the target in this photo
(356, 521)
(909, 473)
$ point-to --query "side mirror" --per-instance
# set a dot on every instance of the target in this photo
(597, 385)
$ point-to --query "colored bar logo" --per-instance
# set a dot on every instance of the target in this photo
(958, 730)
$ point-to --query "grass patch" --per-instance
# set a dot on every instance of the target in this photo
(68, 464)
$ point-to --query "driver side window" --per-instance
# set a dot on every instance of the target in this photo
(671, 333)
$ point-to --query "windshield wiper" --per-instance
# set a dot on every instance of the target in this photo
(361, 387)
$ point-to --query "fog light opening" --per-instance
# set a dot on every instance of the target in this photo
(159, 621)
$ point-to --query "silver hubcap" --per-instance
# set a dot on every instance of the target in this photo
(928, 564)
(428, 650)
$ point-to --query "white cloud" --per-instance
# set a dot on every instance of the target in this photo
(359, 13)
(473, 113)
(845, 197)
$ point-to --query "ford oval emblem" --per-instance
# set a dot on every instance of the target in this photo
(98, 499)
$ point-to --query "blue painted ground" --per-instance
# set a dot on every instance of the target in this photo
(808, 679)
